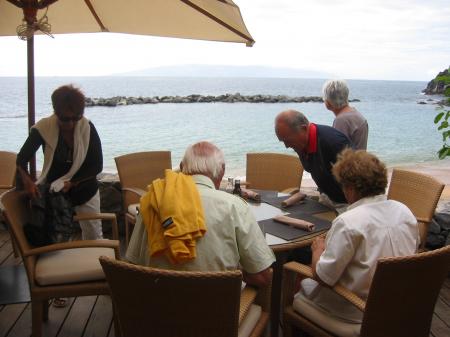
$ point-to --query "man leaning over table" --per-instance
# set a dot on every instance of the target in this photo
(227, 236)
(317, 147)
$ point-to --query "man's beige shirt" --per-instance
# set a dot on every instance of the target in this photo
(233, 237)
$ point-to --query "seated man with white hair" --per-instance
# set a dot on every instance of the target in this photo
(232, 238)
(348, 120)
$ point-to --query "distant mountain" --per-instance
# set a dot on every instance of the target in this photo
(196, 70)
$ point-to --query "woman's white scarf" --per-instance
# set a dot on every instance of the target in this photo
(49, 130)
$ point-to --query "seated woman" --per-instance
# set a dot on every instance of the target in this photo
(72, 156)
(371, 228)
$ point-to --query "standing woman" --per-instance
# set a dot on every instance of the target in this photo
(72, 156)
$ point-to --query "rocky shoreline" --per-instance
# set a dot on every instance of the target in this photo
(226, 98)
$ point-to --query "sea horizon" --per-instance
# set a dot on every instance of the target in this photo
(401, 131)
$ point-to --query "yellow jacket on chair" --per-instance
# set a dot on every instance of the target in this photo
(173, 215)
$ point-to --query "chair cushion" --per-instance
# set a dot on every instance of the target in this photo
(71, 266)
(324, 319)
(132, 209)
(250, 320)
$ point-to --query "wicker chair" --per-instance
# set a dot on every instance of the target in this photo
(136, 172)
(273, 171)
(46, 267)
(7, 170)
(401, 299)
(420, 193)
(157, 302)
(7, 181)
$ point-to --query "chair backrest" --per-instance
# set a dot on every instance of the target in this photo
(273, 171)
(138, 170)
(419, 192)
(17, 213)
(7, 170)
(403, 294)
(173, 303)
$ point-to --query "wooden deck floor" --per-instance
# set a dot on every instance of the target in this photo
(92, 316)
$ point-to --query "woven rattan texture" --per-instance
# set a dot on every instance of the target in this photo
(273, 171)
(418, 191)
(174, 303)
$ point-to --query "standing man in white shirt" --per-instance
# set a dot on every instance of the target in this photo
(348, 120)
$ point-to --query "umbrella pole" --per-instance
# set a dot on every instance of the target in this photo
(31, 112)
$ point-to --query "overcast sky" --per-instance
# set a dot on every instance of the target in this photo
(364, 39)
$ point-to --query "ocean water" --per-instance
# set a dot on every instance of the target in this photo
(400, 130)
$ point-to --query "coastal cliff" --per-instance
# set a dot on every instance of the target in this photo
(440, 85)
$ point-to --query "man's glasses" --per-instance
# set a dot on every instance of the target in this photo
(69, 119)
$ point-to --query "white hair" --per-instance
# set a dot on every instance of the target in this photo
(336, 93)
(203, 158)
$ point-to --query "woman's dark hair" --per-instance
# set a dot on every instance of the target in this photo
(68, 98)
(361, 170)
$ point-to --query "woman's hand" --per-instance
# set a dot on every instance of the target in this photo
(31, 189)
(67, 186)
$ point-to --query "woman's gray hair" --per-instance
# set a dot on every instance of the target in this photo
(203, 158)
(336, 92)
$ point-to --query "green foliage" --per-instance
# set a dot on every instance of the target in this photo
(442, 119)
(447, 92)
(446, 80)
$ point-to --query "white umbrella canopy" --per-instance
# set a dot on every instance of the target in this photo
(213, 20)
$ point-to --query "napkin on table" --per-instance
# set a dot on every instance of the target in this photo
(298, 223)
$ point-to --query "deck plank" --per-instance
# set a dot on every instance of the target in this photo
(22, 327)
(79, 314)
(439, 328)
(100, 319)
(442, 310)
(5, 251)
(9, 315)
(56, 318)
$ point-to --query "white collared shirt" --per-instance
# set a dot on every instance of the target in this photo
(370, 229)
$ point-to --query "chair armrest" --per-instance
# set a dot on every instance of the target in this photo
(292, 269)
(248, 295)
(139, 191)
(75, 244)
(257, 295)
(101, 216)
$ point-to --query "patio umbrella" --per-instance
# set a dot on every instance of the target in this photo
(214, 20)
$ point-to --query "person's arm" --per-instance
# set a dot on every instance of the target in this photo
(332, 255)
(28, 150)
(256, 257)
(317, 248)
(260, 279)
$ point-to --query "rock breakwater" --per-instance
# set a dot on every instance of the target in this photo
(226, 98)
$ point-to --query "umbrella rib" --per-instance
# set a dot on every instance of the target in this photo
(96, 17)
(250, 41)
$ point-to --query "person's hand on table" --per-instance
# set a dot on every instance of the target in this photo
(293, 199)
